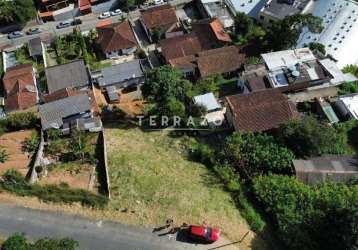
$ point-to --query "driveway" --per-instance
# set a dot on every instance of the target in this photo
(90, 234)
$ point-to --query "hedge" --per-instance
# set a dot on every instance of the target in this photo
(15, 183)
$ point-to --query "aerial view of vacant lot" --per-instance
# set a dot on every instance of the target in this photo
(150, 175)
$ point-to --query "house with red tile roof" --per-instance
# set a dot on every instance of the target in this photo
(117, 39)
(207, 34)
(226, 60)
(160, 19)
(211, 33)
(259, 111)
(20, 88)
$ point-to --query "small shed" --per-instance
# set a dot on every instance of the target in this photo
(112, 93)
(35, 47)
(326, 168)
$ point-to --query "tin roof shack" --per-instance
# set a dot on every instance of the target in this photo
(326, 168)
(215, 113)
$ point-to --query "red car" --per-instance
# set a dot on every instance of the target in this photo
(204, 233)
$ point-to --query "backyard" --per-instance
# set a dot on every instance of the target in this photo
(13, 144)
(150, 174)
(73, 161)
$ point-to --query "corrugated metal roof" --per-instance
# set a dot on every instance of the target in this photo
(72, 74)
(208, 101)
(121, 72)
(52, 113)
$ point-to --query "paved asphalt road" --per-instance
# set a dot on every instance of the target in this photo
(96, 235)
(88, 22)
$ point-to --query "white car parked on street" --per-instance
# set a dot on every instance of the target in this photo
(104, 15)
(116, 12)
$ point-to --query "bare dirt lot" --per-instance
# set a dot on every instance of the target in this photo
(12, 142)
(73, 174)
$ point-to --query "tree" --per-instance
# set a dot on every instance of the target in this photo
(291, 27)
(77, 144)
(318, 217)
(255, 154)
(206, 85)
(309, 137)
(317, 47)
(353, 69)
(17, 11)
(242, 24)
(246, 30)
(18, 241)
(164, 83)
(4, 156)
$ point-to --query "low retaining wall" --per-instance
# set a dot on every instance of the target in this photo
(103, 161)
(38, 160)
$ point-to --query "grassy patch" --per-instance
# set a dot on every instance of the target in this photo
(151, 174)
(228, 87)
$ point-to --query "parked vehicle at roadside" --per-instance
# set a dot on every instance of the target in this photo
(33, 31)
(76, 22)
(204, 233)
(63, 24)
(15, 34)
(116, 12)
(104, 15)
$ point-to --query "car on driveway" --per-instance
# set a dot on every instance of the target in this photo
(204, 234)
(104, 15)
(33, 31)
(63, 24)
(116, 12)
(15, 34)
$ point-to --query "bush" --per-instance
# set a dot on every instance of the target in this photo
(202, 153)
(255, 154)
(253, 218)
(18, 121)
(14, 182)
(4, 156)
(319, 217)
(310, 137)
(30, 145)
(18, 242)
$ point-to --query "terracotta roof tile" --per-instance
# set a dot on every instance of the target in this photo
(20, 88)
(211, 33)
(261, 110)
(159, 16)
(117, 36)
(219, 61)
(180, 46)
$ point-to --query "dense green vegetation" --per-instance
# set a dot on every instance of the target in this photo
(18, 241)
(168, 92)
(247, 31)
(18, 121)
(319, 217)
(17, 11)
(291, 27)
(257, 154)
(15, 183)
(351, 87)
(310, 137)
(75, 46)
(79, 146)
(4, 156)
